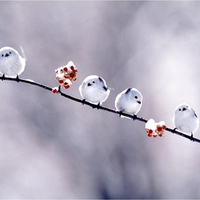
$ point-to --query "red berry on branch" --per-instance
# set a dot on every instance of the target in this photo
(72, 67)
(61, 81)
(65, 69)
(55, 90)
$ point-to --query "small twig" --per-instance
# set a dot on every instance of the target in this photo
(31, 82)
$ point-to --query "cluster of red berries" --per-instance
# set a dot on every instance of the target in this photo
(65, 75)
(154, 129)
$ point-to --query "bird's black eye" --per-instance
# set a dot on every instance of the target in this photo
(136, 97)
(93, 81)
(2, 55)
(9, 52)
(89, 84)
(179, 109)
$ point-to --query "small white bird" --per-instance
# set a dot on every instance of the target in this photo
(129, 101)
(11, 63)
(94, 89)
(185, 119)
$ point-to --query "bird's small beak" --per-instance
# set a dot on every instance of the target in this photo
(139, 102)
(89, 84)
(184, 109)
(7, 54)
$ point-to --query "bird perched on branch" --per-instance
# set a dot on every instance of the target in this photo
(185, 119)
(129, 101)
(94, 89)
(11, 63)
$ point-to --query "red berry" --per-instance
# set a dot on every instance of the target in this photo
(65, 69)
(159, 128)
(164, 127)
(61, 81)
(55, 90)
(72, 67)
(149, 135)
(155, 135)
(150, 131)
(72, 75)
(66, 86)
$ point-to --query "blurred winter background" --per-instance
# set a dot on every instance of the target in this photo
(52, 147)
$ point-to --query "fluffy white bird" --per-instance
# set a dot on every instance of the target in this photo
(129, 101)
(94, 89)
(11, 63)
(185, 119)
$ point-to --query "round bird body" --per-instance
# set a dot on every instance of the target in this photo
(11, 63)
(185, 119)
(94, 89)
(129, 101)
